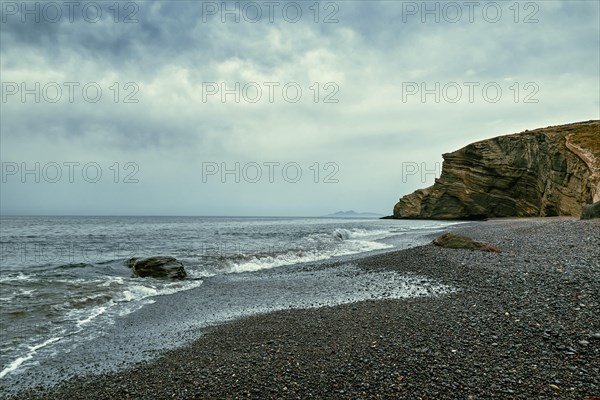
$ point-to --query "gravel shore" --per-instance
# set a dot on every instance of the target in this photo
(524, 324)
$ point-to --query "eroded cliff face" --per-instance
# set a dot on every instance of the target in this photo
(545, 172)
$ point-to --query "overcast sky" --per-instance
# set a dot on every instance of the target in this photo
(310, 108)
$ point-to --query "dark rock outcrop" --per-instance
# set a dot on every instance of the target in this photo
(157, 267)
(551, 171)
(591, 211)
(454, 241)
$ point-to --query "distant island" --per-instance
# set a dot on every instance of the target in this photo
(353, 214)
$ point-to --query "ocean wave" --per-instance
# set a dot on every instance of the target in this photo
(342, 233)
(17, 277)
(310, 247)
(302, 256)
(24, 292)
(112, 281)
(86, 301)
(95, 312)
(140, 291)
(118, 298)
(74, 266)
(31, 352)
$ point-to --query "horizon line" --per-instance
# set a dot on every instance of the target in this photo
(175, 215)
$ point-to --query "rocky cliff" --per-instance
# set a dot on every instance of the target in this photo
(545, 172)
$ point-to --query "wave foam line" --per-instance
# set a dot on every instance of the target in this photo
(32, 350)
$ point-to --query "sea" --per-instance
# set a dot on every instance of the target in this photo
(69, 304)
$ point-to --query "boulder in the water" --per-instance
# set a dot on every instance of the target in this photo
(159, 267)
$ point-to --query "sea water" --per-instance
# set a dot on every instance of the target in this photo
(65, 287)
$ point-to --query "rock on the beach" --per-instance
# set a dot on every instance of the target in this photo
(454, 241)
(157, 267)
(591, 211)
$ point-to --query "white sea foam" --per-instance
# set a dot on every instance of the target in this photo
(16, 277)
(95, 312)
(112, 281)
(132, 298)
(128, 308)
(137, 296)
(363, 233)
(136, 292)
(349, 247)
(32, 350)
(142, 291)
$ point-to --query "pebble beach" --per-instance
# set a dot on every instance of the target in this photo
(523, 324)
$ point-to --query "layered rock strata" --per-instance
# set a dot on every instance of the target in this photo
(551, 171)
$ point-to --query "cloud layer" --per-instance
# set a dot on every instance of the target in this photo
(350, 90)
